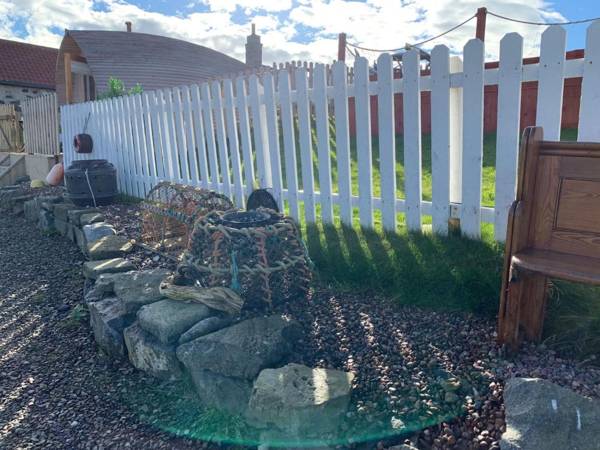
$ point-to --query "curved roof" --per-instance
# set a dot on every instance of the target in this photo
(153, 61)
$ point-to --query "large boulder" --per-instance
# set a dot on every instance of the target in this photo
(74, 215)
(300, 400)
(541, 415)
(168, 319)
(112, 246)
(108, 320)
(146, 353)
(242, 350)
(90, 217)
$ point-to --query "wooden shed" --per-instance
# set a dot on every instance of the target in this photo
(87, 59)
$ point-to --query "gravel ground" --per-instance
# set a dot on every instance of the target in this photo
(414, 367)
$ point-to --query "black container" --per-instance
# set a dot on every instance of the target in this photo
(83, 143)
(97, 174)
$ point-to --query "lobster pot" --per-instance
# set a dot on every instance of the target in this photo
(169, 212)
(258, 254)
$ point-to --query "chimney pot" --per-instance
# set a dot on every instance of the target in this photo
(128, 25)
(253, 49)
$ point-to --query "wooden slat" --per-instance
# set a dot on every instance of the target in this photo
(248, 157)
(289, 144)
(210, 136)
(412, 139)
(180, 140)
(363, 141)
(259, 129)
(306, 162)
(342, 141)
(273, 138)
(550, 85)
(387, 141)
(190, 144)
(200, 142)
(472, 138)
(324, 157)
(232, 135)
(221, 137)
(507, 134)
(440, 139)
(589, 125)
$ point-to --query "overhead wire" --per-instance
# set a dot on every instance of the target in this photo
(527, 22)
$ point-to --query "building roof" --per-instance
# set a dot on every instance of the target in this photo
(153, 61)
(27, 65)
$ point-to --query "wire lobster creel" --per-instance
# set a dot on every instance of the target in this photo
(259, 254)
(169, 213)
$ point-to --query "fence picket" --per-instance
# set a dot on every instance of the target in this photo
(550, 84)
(411, 100)
(180, 139)
(257, 109)
(190, 145)
(387, 140)
(289, 144)
(323, 154)
(589, 125)
(209, 131)
(507, 134)
(248, 158)
(155, 114)
(363, 142)
(273, 138)
(234, 147)
(306, 150)
(342, 141)
(197, 114)
(472, 138)
(221, 138)
(440, 139)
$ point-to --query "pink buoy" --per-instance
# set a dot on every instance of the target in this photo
(56, 174)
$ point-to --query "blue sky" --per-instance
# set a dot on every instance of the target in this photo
(294, 29)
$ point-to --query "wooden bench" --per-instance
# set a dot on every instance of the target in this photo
(553, 230)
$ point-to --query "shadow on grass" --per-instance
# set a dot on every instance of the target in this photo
(419, 269)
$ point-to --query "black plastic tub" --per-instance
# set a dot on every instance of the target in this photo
(91, 180)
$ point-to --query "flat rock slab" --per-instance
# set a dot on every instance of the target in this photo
(74, 215)
(61, 210)
(300, 400)
(541, 415)
(90, 217)
(168, 319)
(95, 231)
(204, 327)
(93, 269)
(146, 353)
(242, 350)
(112, 246)
(108, 320)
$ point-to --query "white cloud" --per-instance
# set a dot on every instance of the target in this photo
(286, 25)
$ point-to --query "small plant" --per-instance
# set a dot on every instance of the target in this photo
(116, 88)
(76, 317)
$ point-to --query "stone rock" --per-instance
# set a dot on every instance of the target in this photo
(79, 238)
(108, 320)
(136, 289)
(46, 221)
(95, 231)
(90, 217)
(168, 319)
(74, 215)
(300, 400)
(106, 247)
(61, 211)
(204, 327)
(93, 269)
(70, 234)
(223, 393)
(102, 288)
(242, 350)
(60, 225)
(149, 355)
(541, 415)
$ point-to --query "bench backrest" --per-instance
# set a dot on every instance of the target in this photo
(559, 188)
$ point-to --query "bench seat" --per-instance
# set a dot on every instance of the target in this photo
(581, 269)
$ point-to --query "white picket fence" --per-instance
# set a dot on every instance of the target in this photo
(225, 135)
(40, 125)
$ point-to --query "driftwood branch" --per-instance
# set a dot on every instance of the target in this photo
(218, 298)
